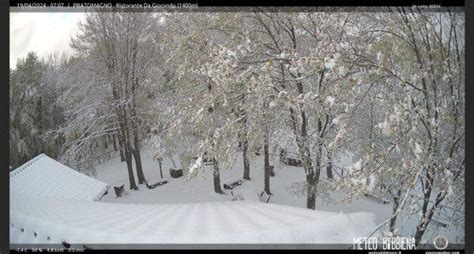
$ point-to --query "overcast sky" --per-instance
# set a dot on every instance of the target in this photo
(42, 32)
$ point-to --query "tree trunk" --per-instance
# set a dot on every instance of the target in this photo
(138, 165)
(393, 220)
(266, 165)
(137, 156)
(329, 167)
(125, 137)
(217, 177)
(114, 142)
(246, 160)
(161, 171)
(427, 214)
(311, 192)
(121, 149)
(136, 141)
(128, 160)
(131, 177)
(104, 141)
(311, 181)
(424, 220)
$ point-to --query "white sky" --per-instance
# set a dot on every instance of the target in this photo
(42, 32)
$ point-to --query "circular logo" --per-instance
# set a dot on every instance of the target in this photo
(440, 242)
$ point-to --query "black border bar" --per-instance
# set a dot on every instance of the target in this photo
(231, 251)
(253, 3)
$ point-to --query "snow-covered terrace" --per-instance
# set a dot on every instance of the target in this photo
(52, 203)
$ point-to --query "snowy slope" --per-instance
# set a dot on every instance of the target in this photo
(218, 222)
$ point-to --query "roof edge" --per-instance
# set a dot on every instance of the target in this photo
(17, 170)
(102, 193)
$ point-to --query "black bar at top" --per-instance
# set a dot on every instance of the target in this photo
(276, 3)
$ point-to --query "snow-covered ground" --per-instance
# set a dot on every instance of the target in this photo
(182, 211)
(200, 188)
(186, 210)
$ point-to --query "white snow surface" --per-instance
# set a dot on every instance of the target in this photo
(51, 203)
(204, 222)
(43, 176)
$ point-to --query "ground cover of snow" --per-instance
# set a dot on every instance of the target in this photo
(282, 186)
(186, 210)
(200, 188)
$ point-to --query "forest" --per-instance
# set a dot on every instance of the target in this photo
(213, 88)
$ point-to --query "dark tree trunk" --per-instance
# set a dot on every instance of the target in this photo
(131, 178)
(420, 231)
(105, 140)
(137, 156)
(371, 119)
(423, 223)
(393, 220)
(127, 149)
(114, 142)
(315, 177)
(128, 160)
(266, 166)
(119, 90)
(311, 192)
(246, 160)
(311, 181)
(121, 149)
(427, 213)
(217, 177)
(161, 171)
(138, 165)
(329, 168)
(134, 125)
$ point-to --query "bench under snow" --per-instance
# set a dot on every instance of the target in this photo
(153, 185)
(376, 198)
(232, 185)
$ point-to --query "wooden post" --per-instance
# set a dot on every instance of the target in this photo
(161, 171)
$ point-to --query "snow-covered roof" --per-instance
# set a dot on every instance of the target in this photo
(45, 177)
(220, 222)
(51, 203)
